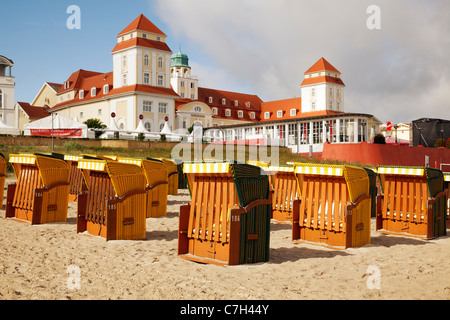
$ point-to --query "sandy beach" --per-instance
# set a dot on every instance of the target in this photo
(38, 262)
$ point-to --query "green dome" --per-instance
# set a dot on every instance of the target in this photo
(179, 59)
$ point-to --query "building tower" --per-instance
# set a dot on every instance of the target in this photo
(141, 56)
(322, 89)
(181, 79)
(7, 86)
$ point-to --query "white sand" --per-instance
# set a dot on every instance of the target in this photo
(34, 262)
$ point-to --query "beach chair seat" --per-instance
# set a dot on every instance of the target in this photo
(227, 221)
(413, 202)
(41, 193)
(114, 206)
(334, 209)
(156, 184)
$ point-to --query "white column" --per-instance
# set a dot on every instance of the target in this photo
(311, 126)
(355, 133)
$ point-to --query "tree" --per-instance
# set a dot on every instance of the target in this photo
(95, 124)
(439, 143)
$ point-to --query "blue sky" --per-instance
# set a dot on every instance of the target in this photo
(398, 73)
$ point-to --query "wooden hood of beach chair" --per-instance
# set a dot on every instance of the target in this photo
(76, 179)
(228, 218)
(413, 202)
(335, 206)
(42, 189)
(172, 174)
(114, 205)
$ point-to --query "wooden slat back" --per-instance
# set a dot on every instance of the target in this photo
(323, 202)
(285, 191)
(100, 190)
(76, 179)
(29, 179)
(213, 196)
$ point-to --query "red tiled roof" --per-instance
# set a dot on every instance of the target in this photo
(34, 112)
(141, 42)
(322, 79)
(322, 65)
(102, 79)
(75, 78)
(143, 24)
(285, 106)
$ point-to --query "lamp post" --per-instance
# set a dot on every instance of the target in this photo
(442, 136)
(363, 125)
(396, 127)
(53, 144)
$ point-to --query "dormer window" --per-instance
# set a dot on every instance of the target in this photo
(252, 115)
(158, 38)
(266, 115)
(215, 111)
(280, 114)
(210, 99)
(293, 112)
(228, 113)
(240, 114)
(93, 92)
(224, 101)
(236, 103)
(144, 35)
(81, 94)
(105, 89)
(248, 104)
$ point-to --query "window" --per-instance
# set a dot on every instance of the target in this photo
(81, 115)
(148, 126)
(184, 124)
(160, 80)
(192, 85)
(146, 78)
(266, 115)
(144, 35)
(131, 36)
(210, 99)
(81, 94)
(146, 60)
(105, 89)
(317, 132)
(160, 62)
(279, 114)
(338, 92)
(313, 92)
(240, 114)
(162, 107)
(313, 106)
(182, 94)
(304, 133)
(236, 103)
(124, 60)
(224, 101)
(252, 115)
(337, 106)
(331, 92)
(197, 109)
(331, 105)
(147, 106)
(192, 96)
(248, 104)
(182, 84)
(158, 38)
(124, 80)
(228, 113)
(93, 92)
(293, 112)
(123, 38)
(215, 111)
(99, 112)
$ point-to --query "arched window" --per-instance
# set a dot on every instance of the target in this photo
(148, 126)
(228, 113)
(93, 92)
(197, 109)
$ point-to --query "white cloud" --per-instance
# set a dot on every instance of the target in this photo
(263, 47)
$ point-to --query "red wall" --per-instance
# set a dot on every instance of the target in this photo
(385, 154)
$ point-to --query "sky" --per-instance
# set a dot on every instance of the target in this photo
(399, 72)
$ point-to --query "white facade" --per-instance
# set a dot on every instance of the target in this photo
(7, 87)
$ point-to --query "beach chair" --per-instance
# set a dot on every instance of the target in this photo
(182, 180)
(41, 193)
(227, 221)
(447, 188)
(114, 206)
(373, 190)
(413, 202)
(76, 179)
(156, 184)
(334, 208)
(172, 174)
(2, 177)
(284, 187)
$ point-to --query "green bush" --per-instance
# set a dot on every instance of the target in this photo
(379, 139)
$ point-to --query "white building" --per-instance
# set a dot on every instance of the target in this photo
(7, 86)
